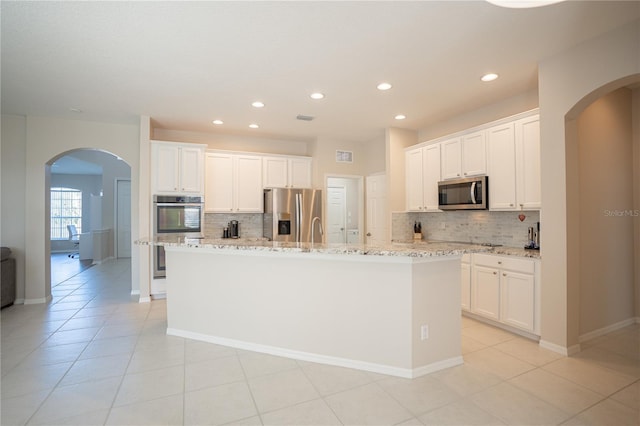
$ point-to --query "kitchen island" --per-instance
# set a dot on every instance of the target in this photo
(393, 310)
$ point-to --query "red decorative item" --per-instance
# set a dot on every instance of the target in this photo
(522, 217)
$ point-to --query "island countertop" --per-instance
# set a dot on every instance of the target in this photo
(405, 249)
(422, 249)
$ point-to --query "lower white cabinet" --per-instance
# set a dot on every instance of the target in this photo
(465, 282)
(485, 292)
(505, 289)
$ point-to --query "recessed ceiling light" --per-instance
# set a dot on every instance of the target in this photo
(316, 95)
(218, 122)
(519, 4)
(76, 110)
(489, 77)
(253, 125)
(257, 104)
(400, 117)
(384, 86)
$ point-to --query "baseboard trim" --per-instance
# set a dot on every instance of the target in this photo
(37, 300)
(608, 329)
(106, 259)
(566, 351)
(19, 301)
(322, 359)
(144, 300)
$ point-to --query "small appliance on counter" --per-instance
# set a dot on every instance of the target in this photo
(232, 230)
(533, 238)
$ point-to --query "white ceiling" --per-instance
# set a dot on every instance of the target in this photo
(187, 63)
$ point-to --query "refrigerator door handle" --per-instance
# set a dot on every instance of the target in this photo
(298, 216)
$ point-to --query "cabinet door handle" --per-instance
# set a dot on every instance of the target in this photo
(500, 262)
(504, 274)
(495, 273)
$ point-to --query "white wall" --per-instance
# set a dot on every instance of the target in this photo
(635, 126)
(13, 196)
(112, 169)
(575, 77)
(396, 140)
(234, 142)
(43, 139)
(508, 107)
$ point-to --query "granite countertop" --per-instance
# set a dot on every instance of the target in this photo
(409, 249)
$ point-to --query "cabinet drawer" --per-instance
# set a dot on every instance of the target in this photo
(504, 262)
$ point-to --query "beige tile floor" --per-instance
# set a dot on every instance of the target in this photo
(93, 356)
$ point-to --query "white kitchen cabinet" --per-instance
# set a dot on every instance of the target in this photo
(527, 132)
(451, 159)
(514, 165)
(485, 292)
(474, 154)
(177, 168)
(517, 294)
(233, 183)
(502, 167)
(503, 288)
(422, 176)
(465, 282)
(287, 172)
(464, 156)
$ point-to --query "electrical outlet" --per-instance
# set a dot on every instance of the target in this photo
(424, 332)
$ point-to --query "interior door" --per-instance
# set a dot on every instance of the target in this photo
(123, 218)
(377, 224)
(336, 214)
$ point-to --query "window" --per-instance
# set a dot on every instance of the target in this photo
(66, 209)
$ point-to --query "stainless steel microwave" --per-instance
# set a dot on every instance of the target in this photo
(463, 194)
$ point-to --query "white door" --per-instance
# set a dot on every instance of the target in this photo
(377, 228)
(123, 218)
(336, 214)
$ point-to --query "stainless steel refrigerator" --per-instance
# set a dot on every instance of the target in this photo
(293, 215)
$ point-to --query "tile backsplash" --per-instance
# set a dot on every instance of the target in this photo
(250, 224)
(467, 226)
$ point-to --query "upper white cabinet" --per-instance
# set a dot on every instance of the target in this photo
(502, 167)
(177, 168)
(233, 183)
(528, 162)
(286, 172)
(514, 165)
(422, 176)
(464, 156)
(451, 162)
(474, 154)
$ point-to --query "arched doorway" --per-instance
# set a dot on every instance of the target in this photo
(603, 169)
(88, 189)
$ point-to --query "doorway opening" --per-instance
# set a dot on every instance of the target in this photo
(89, 191)
(344, 209)
(604, 239)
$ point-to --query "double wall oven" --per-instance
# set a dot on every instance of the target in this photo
(175, 215)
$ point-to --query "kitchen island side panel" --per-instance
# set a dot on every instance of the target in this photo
(436, 304)
(353, 311)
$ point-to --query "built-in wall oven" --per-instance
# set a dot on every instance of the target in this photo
(176, 215)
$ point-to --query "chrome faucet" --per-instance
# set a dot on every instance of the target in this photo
(313, 228)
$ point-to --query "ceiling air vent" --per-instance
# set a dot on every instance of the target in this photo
(344, 156)
(304, 117)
